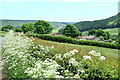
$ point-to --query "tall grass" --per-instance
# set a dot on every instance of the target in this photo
(61, 48)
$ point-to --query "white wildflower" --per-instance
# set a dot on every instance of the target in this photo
(87, 57)
(92, 52)
(73, 62)
(75, 50)
(97, 54)
(102, 58)
(69, 54)
(52, 46)
(58, 56)
(76, 76)
(59, 76)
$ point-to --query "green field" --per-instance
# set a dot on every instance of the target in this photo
(55, 30)
(61, 48)
(39, 51)
(64, 47)
(113, 31)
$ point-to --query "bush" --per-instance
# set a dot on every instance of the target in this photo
(74, 41)
(7, 28)
(18, 30)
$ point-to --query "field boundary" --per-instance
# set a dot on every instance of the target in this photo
(64, 39)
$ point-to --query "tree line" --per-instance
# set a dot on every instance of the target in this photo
(39, 27)
(43, 27)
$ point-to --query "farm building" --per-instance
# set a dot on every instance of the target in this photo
(56, 34)
(88, 38)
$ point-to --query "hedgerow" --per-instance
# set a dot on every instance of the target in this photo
(74, 41)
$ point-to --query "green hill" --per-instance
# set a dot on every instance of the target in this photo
(98, 24)
(19, 23)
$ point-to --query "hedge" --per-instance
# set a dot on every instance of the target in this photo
(64, 39)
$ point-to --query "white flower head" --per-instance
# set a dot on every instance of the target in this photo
(58, 56)
(52, 46)
(75, 50)
(73, 62)
(76, 76)
(102, 58)
(92, 52)
(69, 54)
(87, 57)
(97, 54)
(58, 76)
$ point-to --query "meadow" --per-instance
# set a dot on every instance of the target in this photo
(61, 48)
(28, 57)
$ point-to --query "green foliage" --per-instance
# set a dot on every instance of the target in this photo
(2, 33)
(46, 26)
(101, 38)
(100, 32)
(74, 41)
(98, 24)
(105, 35)
(40, 29)
(71, 31)
(25, 59)
(28, 27)
(18, 30)
(7, 28)
(92, 32)
(108, 35)
(19, 23)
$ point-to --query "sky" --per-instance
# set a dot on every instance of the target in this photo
(58, 10)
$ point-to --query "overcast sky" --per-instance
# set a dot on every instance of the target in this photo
(58, 10)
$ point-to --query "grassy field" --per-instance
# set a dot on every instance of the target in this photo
(112, 31)
(64, 47)
(55, 30)
(61, 48)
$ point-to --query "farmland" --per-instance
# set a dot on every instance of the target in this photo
(31, 53)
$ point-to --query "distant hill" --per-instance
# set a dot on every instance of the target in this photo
(98, 24)
(19, 23)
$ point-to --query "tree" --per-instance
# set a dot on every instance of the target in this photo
(100, 32)
(40, 29)
(24, 26)
(101, 38)
(18, 30)
(7, 28)
(71, 30)
(28, 27)
(108, 36)
(46, 26)
(92, 32)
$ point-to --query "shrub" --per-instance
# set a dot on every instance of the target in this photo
(18, 30)
(74, 41)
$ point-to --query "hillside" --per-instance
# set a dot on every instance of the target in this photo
(98, 24)
(19, 23)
